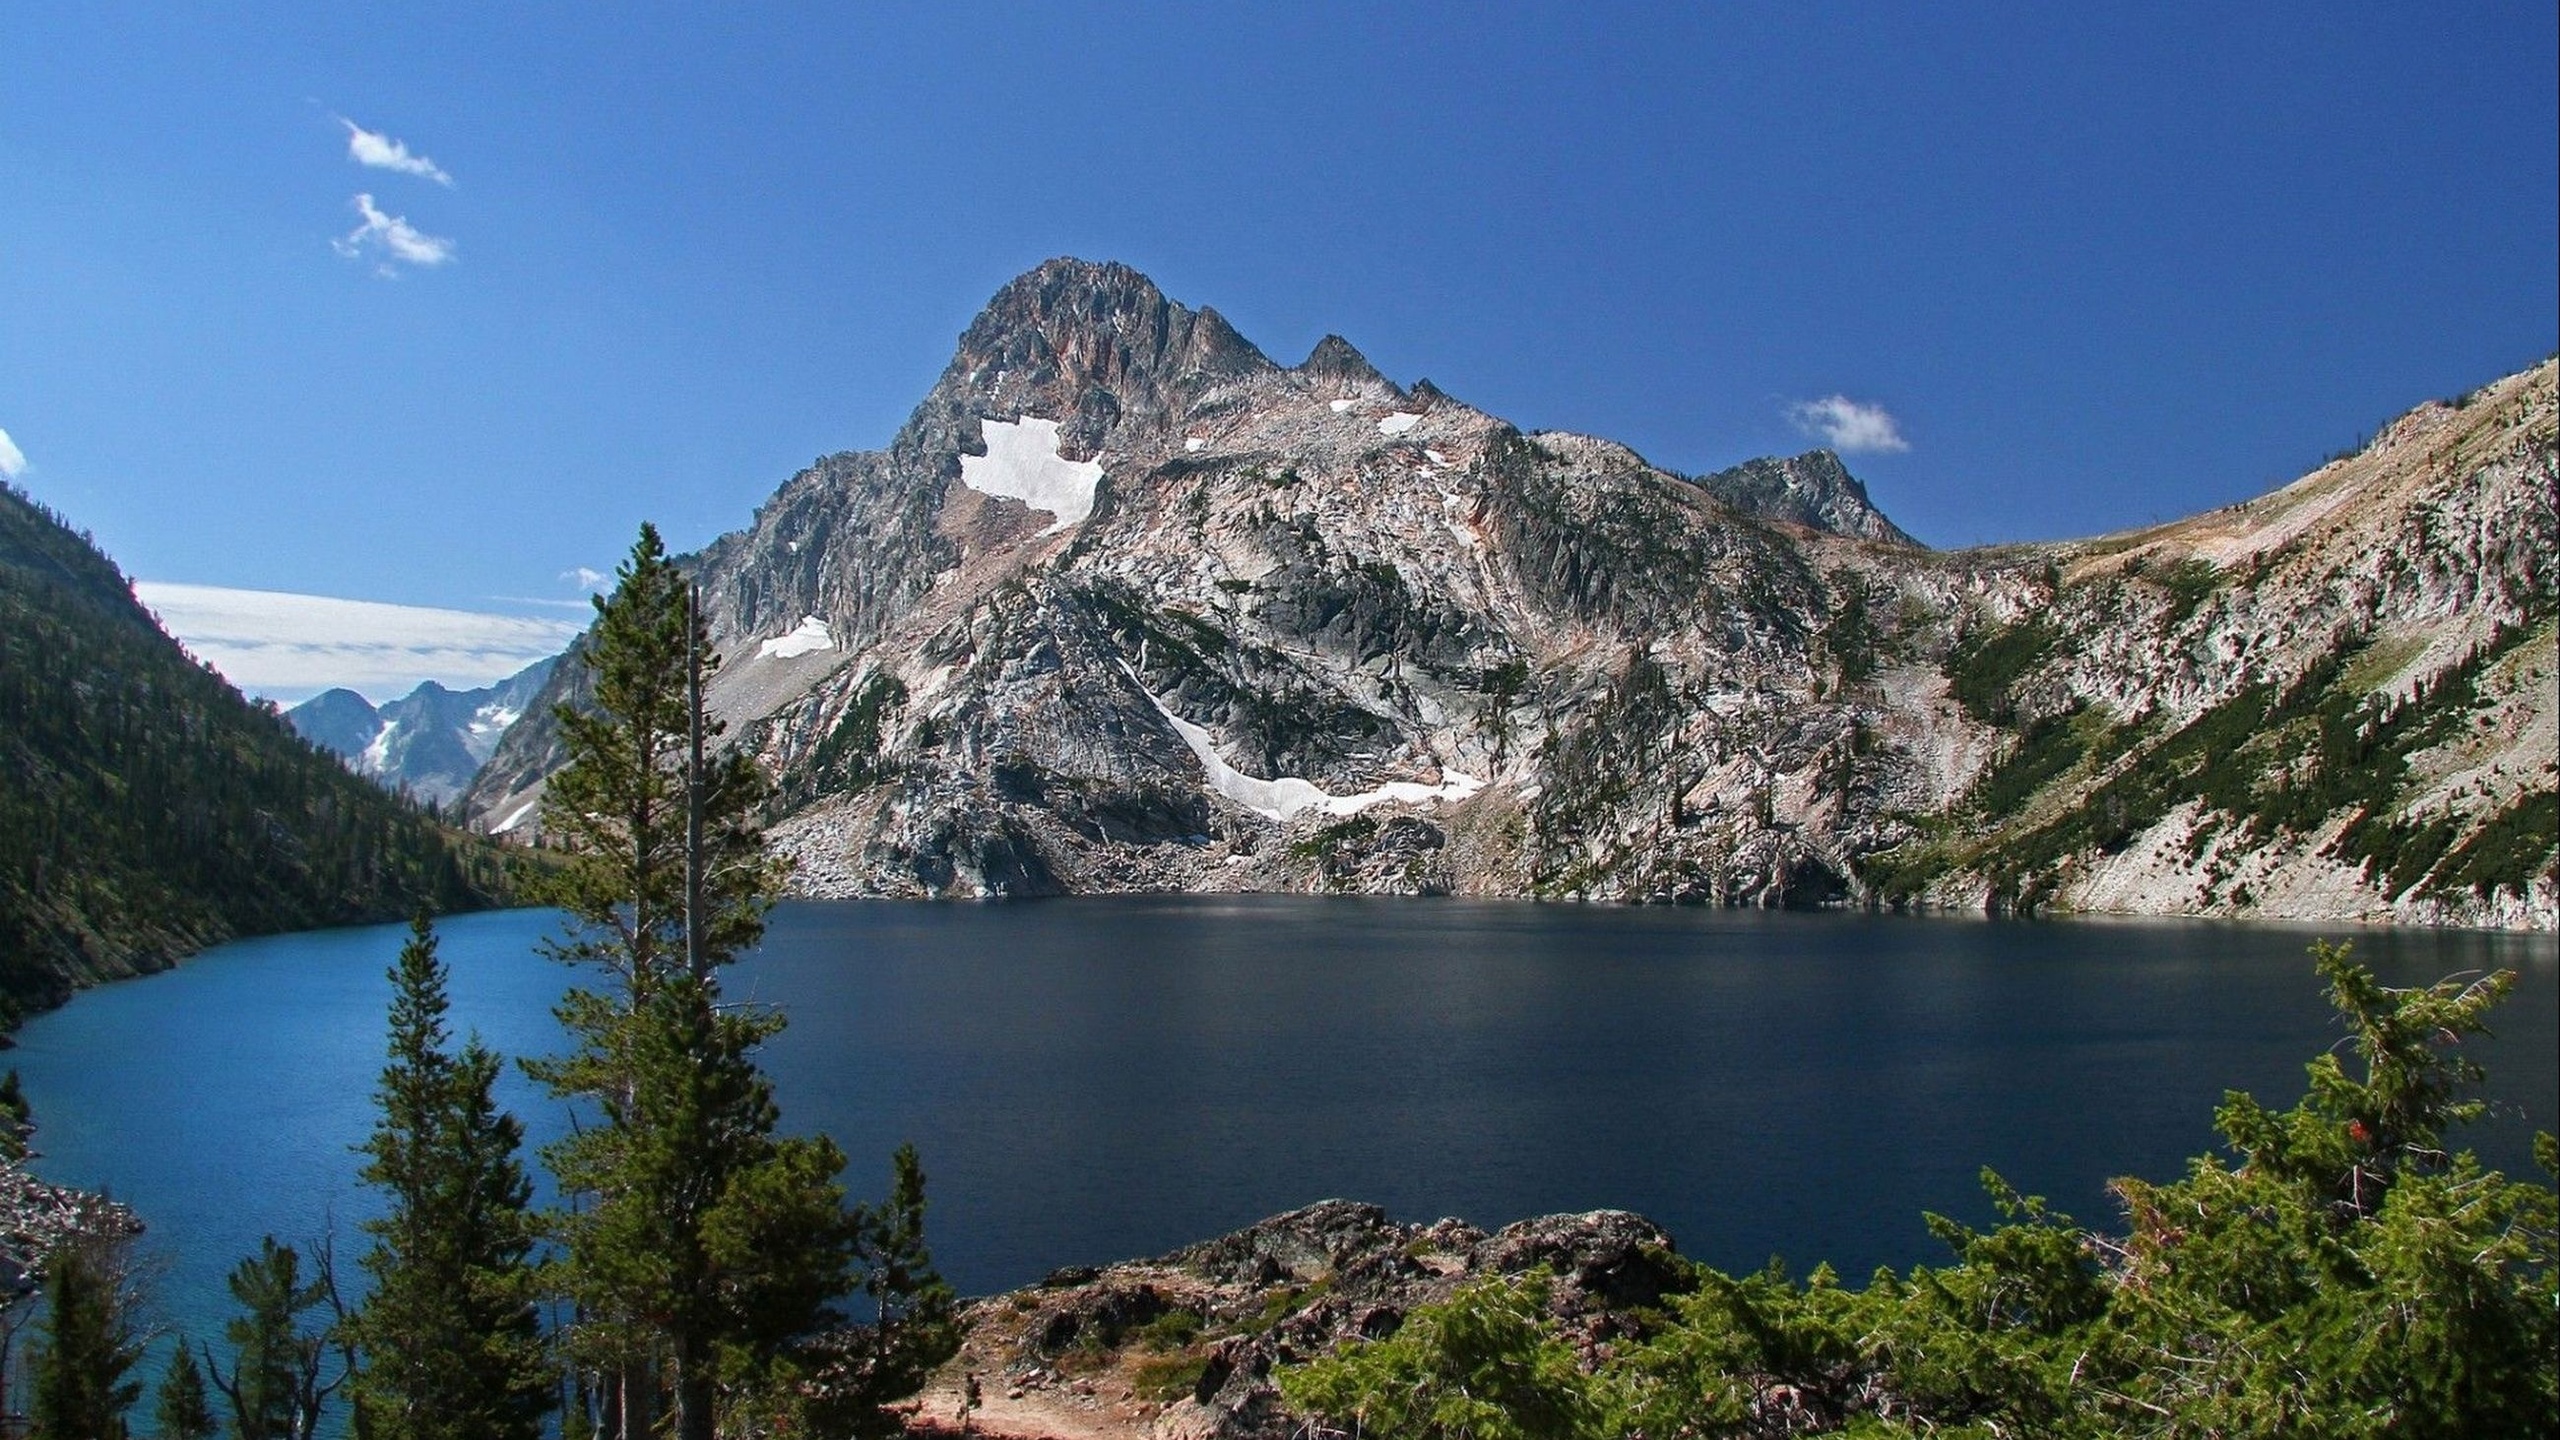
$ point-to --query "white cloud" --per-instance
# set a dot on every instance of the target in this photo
(381, 152)
(1847, 426)
(13, 461)
(392, 238)
(288, 647)
(584, 578)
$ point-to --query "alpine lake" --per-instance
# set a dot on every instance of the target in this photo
(1099, 1079)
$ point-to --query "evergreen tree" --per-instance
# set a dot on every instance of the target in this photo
(451, 1339)
(275, 1388)
(88, 1346)
(700, 1246)
(17, 1121)
(184, 1410)
(845, 1385)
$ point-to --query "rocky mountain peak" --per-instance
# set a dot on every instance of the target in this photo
(1072, 330)
(1812, 489)
(1334, 358)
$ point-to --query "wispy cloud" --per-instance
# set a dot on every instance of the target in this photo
(289, 647)
(392, 239)
(588, 582)
(381, 152)
(13, 461)
(1847, 426)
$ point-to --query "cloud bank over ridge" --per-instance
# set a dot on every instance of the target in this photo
(287, 647)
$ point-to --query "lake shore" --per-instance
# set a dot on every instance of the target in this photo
(36, 1216)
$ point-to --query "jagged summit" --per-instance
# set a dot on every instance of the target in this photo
(1335, 358)
(1813, 489)
(1071, 328)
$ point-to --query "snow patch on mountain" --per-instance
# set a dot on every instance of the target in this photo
(376, 758)
(430, 741)
(1022, 463)
(1398, 423)
(808, 637)
(1288, 797)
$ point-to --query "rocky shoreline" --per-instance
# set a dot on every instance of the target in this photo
(1182, 1347)
(37, 1216)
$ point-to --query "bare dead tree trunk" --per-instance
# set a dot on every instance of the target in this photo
(695, 962)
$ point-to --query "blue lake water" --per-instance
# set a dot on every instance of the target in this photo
(1091, 1080)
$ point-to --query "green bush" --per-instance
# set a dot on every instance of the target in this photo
(1165, 1378)
(2188, 583)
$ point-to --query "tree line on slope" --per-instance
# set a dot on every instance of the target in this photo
(701, 1261)
(147, 810)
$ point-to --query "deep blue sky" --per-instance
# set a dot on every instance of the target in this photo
(2101, 268)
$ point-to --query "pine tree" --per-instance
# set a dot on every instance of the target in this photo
(89, 1344)
(450, 1335)
(846, 1386)
(275, 1388)
(700, 1246)
(184, 1410)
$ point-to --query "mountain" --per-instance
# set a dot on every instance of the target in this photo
(429, 742)
(1812, 489)
(341, 722)
(1127, 605)
(149, 810)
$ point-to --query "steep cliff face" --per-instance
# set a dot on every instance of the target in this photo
(1126, 605)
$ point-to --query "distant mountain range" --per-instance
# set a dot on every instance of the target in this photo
(1126, 605)
(147, 810)
(430, 742)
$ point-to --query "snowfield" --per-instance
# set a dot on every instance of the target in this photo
(1022, 463)
(1289, 797)
(809, 636)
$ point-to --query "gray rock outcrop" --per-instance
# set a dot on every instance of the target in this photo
(1185, 1345)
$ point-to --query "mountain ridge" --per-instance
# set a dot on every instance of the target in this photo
(429, 743)
(1242, 581)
